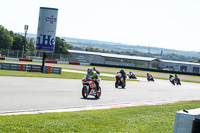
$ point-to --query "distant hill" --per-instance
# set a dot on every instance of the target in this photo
(85, 43)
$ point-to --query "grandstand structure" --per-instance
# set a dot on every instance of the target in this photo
(132, 61)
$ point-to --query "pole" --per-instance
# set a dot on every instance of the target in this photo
(43, 61)
(26, 29)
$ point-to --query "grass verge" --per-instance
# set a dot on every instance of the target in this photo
(64, 75)
(143, 119)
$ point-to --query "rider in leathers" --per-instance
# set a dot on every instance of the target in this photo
(123, 74)
(94, 75)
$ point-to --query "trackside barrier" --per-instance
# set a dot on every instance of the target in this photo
(9, 66)
(29, 68)
(21, 67)
(2, 58)
(12, 59)
(37, 61)
(186, 121)
(49, 69)
(54, 70)
(47, 61)
(85, 64)
(62, 62)
(29, 60)
(33, 68)
(74, 63)
(51, 61)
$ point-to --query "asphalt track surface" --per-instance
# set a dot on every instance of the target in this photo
(21, 95)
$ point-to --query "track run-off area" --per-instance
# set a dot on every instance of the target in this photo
(27, 95)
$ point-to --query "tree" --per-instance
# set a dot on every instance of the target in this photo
(30, 45)
(6, 40)
(61, 46)
(19, 42)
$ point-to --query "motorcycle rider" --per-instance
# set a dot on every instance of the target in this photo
(176, 78)
(94, 69)
(123, 74)
(94, 75)
(149, 76)
(170, 76)
(131, 75)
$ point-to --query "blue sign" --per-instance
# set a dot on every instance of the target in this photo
(45, 43)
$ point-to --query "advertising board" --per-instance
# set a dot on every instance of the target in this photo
(46, 33)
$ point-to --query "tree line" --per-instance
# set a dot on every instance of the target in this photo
(13, 41)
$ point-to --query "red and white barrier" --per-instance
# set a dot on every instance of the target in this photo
(47, 61)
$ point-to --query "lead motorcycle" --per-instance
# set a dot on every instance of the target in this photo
(90, 88)
(119, 81)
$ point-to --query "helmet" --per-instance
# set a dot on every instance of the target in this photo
(122, 71)
(90, 71)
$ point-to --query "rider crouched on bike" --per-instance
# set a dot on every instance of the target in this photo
(149, 76)
(94, 75)
(176, 77)
(123, 74)
(170, 77)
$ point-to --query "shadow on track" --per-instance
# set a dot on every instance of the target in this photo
(89, 98)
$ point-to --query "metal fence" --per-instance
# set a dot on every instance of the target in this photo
(33, 55)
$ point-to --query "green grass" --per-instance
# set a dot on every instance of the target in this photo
(64, 75)
(112, 79)
(144, 119)
(133, 70)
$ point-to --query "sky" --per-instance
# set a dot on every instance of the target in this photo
(172, 24)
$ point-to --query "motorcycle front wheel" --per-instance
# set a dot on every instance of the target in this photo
(123, 85)
(116, 84)
(84, 92)
(98, 93)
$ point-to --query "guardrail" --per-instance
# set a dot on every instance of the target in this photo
(30, 68)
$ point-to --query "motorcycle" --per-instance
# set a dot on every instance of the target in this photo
(131, 76)
(177, 81)
(119, 81)
(90, 88)
(150, 78)
(172, 80)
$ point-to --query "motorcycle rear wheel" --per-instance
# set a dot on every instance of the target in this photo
(123, 85)
(84, 92)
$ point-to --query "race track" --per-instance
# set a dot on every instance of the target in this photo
(24, 94)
